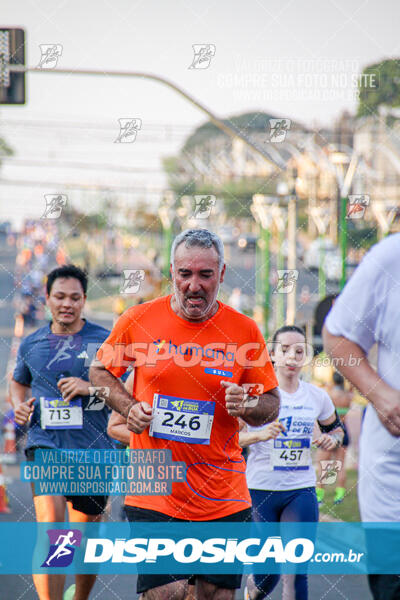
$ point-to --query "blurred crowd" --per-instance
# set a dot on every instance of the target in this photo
(38, 250)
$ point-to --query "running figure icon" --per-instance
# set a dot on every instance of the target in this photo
(62, 543)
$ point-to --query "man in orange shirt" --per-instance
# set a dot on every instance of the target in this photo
(199, 366)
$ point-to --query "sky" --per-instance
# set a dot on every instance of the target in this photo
(296, 59)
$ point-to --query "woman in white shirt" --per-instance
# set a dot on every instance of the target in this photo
(280, 474)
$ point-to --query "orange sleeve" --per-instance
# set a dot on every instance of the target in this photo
(116, 352)
(259, 369)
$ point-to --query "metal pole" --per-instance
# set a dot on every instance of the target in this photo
(343, 239)
(167, 252)
(292, 262)
(259, 273)
(266, 273)
(344, 190)
(321, 270)
(280, 265)
(223, 125)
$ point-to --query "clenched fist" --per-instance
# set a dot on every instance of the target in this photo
(22, 414)
(235, 399)
(139, 417)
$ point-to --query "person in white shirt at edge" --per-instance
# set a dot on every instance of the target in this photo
(366, 313)
(282, 481)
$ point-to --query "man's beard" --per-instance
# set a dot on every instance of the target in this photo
(183, 309)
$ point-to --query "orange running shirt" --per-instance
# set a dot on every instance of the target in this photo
(188, 360)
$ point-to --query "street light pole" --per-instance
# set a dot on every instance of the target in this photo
(166, 218)
(339, 159)
(321, 218)
(292, 258)
(278, 214)
(261, 213)
(222, 125)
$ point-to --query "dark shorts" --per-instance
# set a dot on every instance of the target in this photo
(89, 505)
(148, 582)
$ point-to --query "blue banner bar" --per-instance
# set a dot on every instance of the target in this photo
(200, 548)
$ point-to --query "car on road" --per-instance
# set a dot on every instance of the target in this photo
(228, 234)
(247, 242)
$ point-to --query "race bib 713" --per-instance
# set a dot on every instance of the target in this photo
(57, 413)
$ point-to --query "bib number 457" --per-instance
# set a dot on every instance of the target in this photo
(291, 455)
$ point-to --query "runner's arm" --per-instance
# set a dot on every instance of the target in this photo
(271, 431)
(117, 428)
(118, 398)
(254, 410)
(355, 366)
(22, 408)
(266, 409)
(17, 393)
(332, 439)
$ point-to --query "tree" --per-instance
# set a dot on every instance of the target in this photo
(379, 84)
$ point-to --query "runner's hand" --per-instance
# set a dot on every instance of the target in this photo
(73, 386)
(271, 431)
(326, 442)
(139, 417)
(388, 411)
(235, 399)
(22, 414)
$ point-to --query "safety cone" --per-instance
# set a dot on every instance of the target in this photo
(10, 448)
(3, 494)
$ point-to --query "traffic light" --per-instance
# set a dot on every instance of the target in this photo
(12, 51)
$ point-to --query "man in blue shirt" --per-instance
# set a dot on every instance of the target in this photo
(54, 362)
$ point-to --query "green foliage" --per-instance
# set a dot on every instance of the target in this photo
(348, 509)
(386, 77)
(237, 196)
(5, 149)
(245, 123)
(362, 238)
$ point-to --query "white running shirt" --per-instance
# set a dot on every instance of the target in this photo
(285, 463)
(368, 311)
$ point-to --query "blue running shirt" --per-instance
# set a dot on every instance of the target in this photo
(43, 358)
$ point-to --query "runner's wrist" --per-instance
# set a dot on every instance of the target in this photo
(128, 408)
(16, 402)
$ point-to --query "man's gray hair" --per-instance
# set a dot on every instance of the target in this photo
(203, 238)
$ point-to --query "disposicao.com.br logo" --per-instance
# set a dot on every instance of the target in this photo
(191, 550)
